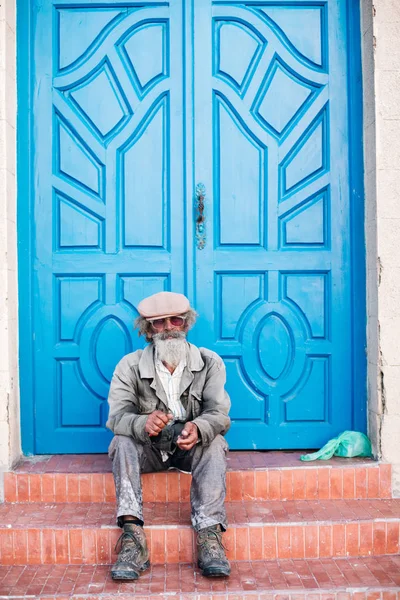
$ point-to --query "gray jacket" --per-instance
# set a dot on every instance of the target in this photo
(136, 391)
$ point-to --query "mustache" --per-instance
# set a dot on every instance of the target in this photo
(164, 335)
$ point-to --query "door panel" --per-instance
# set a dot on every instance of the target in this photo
(272, 280)
(108, 203)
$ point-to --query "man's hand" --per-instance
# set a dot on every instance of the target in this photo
(156, 421)
(189, 437)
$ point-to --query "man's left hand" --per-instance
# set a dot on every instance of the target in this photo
(189, 437)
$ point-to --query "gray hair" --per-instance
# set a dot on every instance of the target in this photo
(145, 329)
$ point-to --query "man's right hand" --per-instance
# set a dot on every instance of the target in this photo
(156, 421)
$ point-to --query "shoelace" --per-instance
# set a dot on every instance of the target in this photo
(124, 535)
(214, 534)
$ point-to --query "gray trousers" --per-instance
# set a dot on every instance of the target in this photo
(207, 465)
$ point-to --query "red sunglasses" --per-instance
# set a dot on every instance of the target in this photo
(160, 323)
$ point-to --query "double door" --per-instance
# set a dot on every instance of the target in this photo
(200, 147)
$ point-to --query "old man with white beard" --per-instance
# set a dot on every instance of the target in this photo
(169, 409)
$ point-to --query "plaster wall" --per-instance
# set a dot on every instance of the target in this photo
(381, 84)
(10, 446)
(380, 26)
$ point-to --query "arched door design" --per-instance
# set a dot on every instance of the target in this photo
(134, 108)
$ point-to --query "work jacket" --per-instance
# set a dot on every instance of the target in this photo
(136, 391)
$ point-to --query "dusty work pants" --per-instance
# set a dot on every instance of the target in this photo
(207, 465)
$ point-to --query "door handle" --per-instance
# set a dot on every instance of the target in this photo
(200, 216)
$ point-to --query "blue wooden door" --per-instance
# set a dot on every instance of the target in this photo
(109, 200)
(134, 106)
(273, 258)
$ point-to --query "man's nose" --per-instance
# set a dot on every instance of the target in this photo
(168, 325)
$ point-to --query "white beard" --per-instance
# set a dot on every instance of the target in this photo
(170, 347)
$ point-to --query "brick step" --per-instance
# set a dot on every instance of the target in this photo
(251, 476)
(370, 578)
(86, 533)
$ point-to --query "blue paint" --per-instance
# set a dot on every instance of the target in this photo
(99, 102)
(359, 281)
(120, 144)
(25, 140)
(89, 31)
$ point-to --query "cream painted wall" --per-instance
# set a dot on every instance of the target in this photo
(381, 82)
(10, 447)
(380, 26)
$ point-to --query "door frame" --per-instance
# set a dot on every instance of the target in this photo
(25, 207)
(357, 216)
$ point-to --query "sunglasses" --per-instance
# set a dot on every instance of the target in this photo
(160, 323)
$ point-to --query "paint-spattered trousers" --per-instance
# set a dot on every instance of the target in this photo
(207, 465)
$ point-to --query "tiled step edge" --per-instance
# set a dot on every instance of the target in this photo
(320, 482)
(341, 579)
(284, 594)
(176, 543)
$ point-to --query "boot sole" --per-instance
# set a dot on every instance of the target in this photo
(124, 576)
(128, 575)
(216, 572)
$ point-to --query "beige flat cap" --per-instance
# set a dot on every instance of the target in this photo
(163, 304)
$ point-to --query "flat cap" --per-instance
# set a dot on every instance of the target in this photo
(163, 304)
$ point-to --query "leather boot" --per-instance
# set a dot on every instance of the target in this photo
(211, 553)
(133, 555)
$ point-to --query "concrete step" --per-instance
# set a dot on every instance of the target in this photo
(251, 476)
(369, 578)
(85, 533)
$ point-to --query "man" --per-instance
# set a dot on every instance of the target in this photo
(169, 408)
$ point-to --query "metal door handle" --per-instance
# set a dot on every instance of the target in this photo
(200, 216)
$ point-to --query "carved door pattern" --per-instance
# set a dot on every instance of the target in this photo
(273, 281)
(109, 215)
(134, 107)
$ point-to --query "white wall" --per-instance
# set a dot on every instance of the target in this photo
(9, 392)
(381, 83)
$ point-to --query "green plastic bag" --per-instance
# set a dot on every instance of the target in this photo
(347, 444)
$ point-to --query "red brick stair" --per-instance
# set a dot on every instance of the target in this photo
(298, 531)
(326, 579)
(86, 533)
(258, 476)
